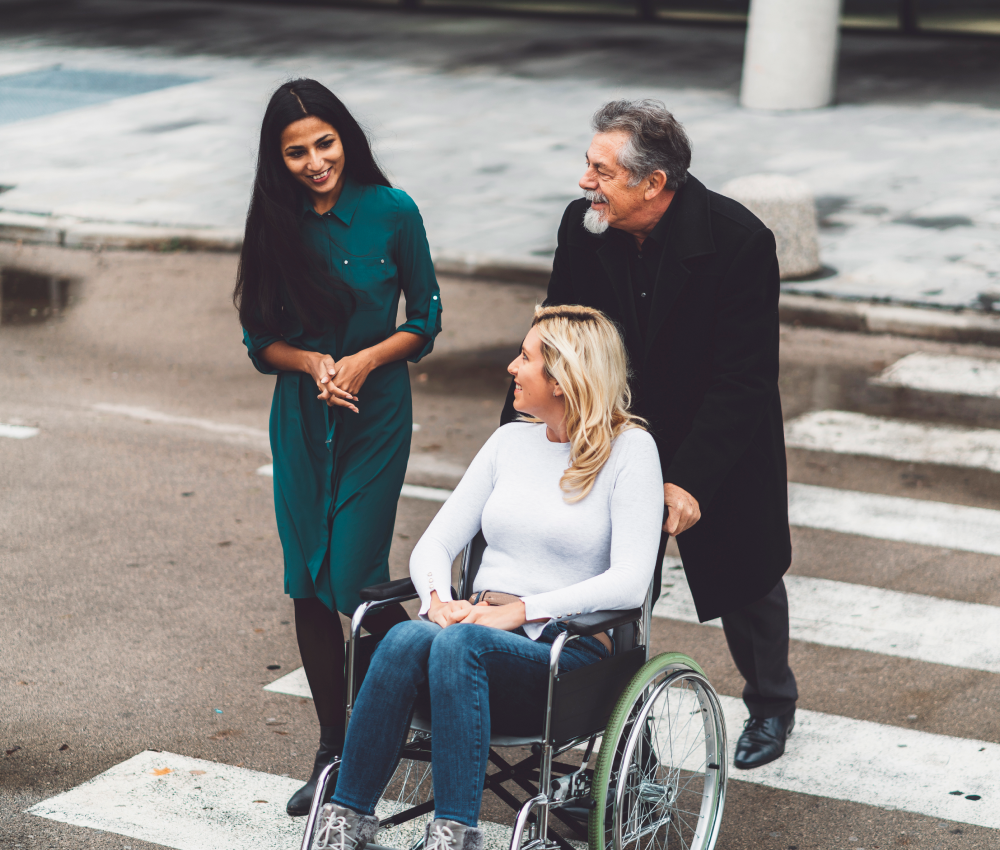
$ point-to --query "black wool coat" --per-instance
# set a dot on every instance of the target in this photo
(706, 379)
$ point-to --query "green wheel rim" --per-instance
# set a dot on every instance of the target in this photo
(656, 667)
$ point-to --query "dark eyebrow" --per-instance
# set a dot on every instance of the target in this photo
(303, 147)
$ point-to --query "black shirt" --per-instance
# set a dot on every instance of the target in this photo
(643, 266)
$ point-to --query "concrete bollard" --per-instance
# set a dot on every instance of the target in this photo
(790, 61)
(787, 207)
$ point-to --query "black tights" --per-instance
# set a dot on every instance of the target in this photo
(321, 645)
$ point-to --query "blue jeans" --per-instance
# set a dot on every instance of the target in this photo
(477, 679)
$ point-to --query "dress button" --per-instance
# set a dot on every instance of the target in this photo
(345, 262)
(383, 261)
(434, 298)
(643, 294)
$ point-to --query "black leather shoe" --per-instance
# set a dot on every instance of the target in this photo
(331, 744)
(763, 740)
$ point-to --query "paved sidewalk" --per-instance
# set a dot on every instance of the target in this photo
(484, 122)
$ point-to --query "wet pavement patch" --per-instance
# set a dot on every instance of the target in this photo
(941, 222)
(57, 89)
(27, 296)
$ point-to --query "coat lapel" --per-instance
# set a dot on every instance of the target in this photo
(689, 234)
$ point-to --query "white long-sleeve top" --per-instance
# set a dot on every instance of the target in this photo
(562, 558)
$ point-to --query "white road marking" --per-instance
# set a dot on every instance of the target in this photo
(871, 763)
(294, 684)
(197, 805)
(873, 436)
(428, 494)
(17, 432)
(879, 765)
(202, 805)
(895, 518)
(852, 616)
(862, 762)
(146, 414)
(409, 491)
(944, 373)
(424, 464)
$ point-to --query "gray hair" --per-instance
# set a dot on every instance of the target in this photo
(656, 140)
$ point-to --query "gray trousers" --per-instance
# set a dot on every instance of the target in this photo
(758, 641)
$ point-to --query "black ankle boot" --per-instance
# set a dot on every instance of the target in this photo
(331, 744)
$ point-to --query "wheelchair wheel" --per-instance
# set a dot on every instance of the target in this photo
(660, 778)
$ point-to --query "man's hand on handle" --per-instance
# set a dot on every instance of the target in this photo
(682, 509)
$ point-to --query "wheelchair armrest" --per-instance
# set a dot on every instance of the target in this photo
(600, 621)
(388, 590)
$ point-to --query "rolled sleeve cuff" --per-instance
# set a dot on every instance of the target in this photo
(428, 327)
(255, 345)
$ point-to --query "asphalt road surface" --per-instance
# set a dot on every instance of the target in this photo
(141, 569)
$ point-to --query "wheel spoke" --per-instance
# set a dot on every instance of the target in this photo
(666, 797)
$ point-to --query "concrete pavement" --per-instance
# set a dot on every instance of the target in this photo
(484, 122)
(142, 576)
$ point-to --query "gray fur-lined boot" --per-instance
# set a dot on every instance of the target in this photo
(341, 828)
(450, 835)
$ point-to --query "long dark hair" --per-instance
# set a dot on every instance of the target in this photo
(276, 265)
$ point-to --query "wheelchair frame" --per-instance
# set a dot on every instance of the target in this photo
(534, 774)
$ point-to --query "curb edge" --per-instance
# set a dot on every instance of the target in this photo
(961, 326)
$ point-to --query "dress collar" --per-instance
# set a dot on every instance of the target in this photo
(347, 203)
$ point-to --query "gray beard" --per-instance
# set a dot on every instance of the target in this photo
(594, 221)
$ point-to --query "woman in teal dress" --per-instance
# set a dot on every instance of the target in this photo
(329, 248)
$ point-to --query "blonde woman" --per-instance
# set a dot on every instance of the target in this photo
(570, 501)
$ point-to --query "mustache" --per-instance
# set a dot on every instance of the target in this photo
(595, 197)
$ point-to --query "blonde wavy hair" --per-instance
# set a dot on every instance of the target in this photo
(583, 352)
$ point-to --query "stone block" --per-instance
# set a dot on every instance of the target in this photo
(787, 207)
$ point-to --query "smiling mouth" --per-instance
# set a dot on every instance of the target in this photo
(517, 387)
(319, 178)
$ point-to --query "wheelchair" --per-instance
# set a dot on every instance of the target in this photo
(658, 781)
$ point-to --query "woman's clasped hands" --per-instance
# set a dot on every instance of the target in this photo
(505, 617)
(339, 381)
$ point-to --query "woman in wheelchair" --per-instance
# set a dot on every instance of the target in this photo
(570, 501)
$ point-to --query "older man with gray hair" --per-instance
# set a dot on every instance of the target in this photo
(691, 278)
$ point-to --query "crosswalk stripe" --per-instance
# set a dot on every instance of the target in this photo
(409, 491)
(944, 373)
(878, 765)
(862, 762)
(147, 414)
(184, 803)
(874, 436)
(427, 494)
(190, 804)
(852, 616)
(294, 684)
(17, 432)
(895, 518)
(868, 514)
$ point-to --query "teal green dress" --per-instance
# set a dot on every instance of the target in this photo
(338, 474)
